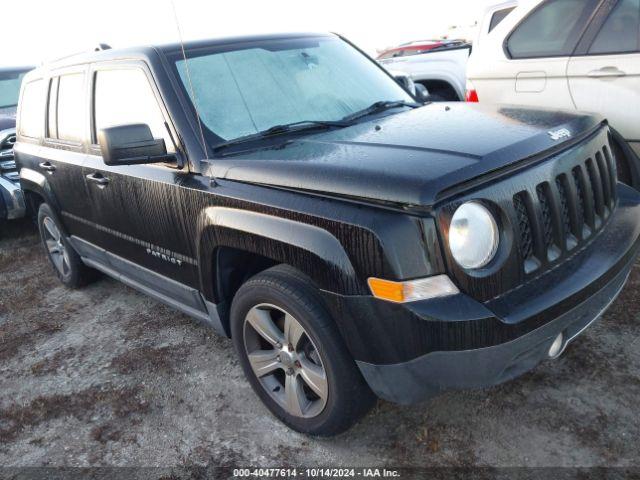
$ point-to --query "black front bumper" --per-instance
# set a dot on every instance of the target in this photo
(426, 376)
(410, 352)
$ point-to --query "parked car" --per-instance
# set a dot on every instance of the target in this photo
(565, 54)
(12, 203)
(493, 15)
(441, 69)
(348, 239)
(410, 48)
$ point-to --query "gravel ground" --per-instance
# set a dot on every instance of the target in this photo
(105, 376)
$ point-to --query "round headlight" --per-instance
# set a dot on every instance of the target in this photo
(473, 235)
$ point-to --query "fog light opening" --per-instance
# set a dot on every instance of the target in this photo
(556, 346)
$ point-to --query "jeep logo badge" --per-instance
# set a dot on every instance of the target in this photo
(558, 134)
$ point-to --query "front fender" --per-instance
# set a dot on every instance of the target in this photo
(631, 165)
(311, 249)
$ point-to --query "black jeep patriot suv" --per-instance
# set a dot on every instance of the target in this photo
(288, 192)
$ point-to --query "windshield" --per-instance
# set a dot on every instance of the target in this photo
(259, 85)
(10, 88)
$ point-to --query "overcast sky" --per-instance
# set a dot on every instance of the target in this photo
(44, 29)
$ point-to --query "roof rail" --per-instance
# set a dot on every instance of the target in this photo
(98, 48)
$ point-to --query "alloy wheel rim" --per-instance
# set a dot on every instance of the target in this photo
(55, 246)
(285, 360)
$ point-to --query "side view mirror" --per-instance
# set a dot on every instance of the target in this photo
(405, 82)
(131, 145)
(422, 94)
(416, 89)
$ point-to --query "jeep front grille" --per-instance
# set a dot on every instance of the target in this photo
(566, 212)
(549, 211)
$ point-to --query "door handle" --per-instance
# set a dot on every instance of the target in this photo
(98, 178)
(47, 166)
(606, 72)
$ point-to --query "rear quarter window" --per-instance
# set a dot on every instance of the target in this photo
(498, 16)
(32, 110)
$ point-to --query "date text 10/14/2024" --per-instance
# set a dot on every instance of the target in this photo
(316, 473)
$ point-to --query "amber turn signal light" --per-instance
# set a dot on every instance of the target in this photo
(412, 290)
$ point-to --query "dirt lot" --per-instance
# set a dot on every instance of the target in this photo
(106, 376)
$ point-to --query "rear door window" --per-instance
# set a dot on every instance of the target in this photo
(551, 30)
(621, 31)
(32, 110)
(71, 107)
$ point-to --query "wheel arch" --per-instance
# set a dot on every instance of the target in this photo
(437, 82)
(227, 234)
(37, 189)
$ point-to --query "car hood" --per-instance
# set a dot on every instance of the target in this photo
(411, 157)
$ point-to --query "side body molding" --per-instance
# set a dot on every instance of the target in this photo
(311, 249)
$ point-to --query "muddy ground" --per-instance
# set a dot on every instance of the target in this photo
(107, 376)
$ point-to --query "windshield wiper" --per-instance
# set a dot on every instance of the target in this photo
(306, 125)
(301, 126)
(379, 107)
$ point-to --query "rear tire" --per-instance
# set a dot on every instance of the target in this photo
(64, 259)
(296, 348)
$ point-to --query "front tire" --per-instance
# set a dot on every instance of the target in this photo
(293, 356)
(66, 262)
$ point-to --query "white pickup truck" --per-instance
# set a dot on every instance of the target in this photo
(442, 70)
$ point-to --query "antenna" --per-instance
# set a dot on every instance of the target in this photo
(188, 72)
